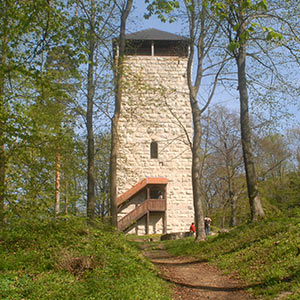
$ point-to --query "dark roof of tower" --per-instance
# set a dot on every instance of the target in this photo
(154, 35)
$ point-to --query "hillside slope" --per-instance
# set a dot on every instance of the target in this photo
(265, 255)
(67, 259)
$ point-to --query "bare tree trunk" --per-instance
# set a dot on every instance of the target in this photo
(3, 158)
(254, 199)
(57, 183)
(233, 200)
(113, 169)
(66, 197)
(125, 10)
(196, 173)
(223, 222)
(103, 206)
(2, 173)
(196, 112)
(231, 191)
(230, 185)
(91, 199)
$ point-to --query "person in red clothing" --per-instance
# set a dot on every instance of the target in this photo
(192, 229)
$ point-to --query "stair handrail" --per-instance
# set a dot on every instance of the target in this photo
(134, 215)
(139, 187)
(140, 211)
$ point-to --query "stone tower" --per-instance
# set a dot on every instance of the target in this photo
(154, 184)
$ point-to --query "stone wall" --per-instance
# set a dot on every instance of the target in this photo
(156, 108)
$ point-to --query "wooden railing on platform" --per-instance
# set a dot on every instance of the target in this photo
(140, 186)
(147, 206)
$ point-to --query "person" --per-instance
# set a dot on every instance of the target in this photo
(207, 221)
(192, 228)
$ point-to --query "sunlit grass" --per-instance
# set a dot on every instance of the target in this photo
(67, 259)
(265, 255)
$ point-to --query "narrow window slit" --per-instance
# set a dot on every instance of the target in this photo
(153, 150)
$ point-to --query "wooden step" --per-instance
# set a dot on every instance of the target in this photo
(150, 205)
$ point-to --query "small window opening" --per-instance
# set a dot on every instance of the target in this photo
(153, 150)
(156, 194)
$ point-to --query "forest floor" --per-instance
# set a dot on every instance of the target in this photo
(193, 279)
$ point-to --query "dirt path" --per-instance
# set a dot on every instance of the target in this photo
(195, 279)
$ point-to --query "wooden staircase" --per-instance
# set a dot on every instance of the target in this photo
(148, 206)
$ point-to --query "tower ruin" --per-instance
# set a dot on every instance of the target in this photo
(154, 184)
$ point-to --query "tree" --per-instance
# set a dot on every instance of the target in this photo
(91, 32)
(202, 36)
(223, 163)
(294, 147)
(238, 26)
(58, 88)
(272, 154)
(20, 56)
(91, 201)
(103, 141)
(124, 8)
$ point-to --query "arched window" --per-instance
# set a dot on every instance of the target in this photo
(153, 150)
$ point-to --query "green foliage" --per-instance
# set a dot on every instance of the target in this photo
(233, 46)
(257, 5)
(102, 144)
(38, 78)
(282, 192)
(67, 259)
(265, 254)
(162, 9)
(236, 15)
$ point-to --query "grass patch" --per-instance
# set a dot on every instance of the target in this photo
(265, 255)
(67, 259)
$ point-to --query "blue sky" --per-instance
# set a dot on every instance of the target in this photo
(140, 23)
(222, 97)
